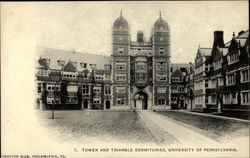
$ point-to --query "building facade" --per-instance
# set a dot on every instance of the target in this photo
(136, 76)
(222, 75)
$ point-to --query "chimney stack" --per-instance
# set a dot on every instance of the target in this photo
(218, 39)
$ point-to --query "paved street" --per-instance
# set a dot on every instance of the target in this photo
(141, 127)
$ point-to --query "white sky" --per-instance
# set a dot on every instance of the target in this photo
(86, 26)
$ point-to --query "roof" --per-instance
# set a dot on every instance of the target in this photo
(161, 24)
(120, 23)
(224, 51)
(178, 66)
(70, 67)
(177, 73)
(242, 38)
(71, 56)
(205, 51)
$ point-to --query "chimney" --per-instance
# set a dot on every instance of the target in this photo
(46, 61)
(83, 65)
(140, 38)
(61, 62)
(218, 39)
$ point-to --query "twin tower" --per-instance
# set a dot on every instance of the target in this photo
(141, 68)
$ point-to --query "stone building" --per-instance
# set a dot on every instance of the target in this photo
(136, 76)
(222, 75)
(140, 69)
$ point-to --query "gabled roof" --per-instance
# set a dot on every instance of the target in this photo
(242, 38)
(177, 73)
(70, 67)
(205, 51)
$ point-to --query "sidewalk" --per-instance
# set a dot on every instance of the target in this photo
(176, 133)
(211, 115)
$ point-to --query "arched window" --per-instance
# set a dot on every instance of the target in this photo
(161, 101)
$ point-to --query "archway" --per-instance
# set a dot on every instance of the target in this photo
(107, 104)
(141, 101)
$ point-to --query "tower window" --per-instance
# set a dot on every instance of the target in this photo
(161, 51)
(120, 50)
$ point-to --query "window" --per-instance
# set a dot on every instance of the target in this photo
(51, 100)
(98, 77)
(173, 100)
(220, 81)
(85, 75)
(161, 77)
(233, 58)
(53, 87)
(174, 89)
(213, 99)
(72, 88)
(39, 87)
(161, 51)
(161, 101)
(121, 65)
(97, 101)
(234, 99)
(199, 99)
(161, 66)
(120, 89)
(140, 76)
(181, 89)
(120, 101)
(72, 100)
(161, 89)
(97, 89)
(107, 90)
(141, 66)
(214, 82)
(245, 98)
(231, 79)
(42, 72)
(85, 89)
(120, 77)
(245, 75)
(175, 79)
(206, 84)
(120, 50)
(227, 98)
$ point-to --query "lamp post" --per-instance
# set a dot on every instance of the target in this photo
(53, 109)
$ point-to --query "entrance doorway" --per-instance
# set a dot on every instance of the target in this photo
(107, 104)
(85, 104)
(141, 101)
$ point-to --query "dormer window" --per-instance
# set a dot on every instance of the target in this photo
(120, 50)
(161, 51)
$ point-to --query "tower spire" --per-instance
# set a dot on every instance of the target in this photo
(233, 35)
(160, 14)
(121, 12)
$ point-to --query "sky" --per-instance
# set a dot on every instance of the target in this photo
(86, 26)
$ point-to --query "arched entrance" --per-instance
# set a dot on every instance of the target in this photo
(107, 104)
(141, 101)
